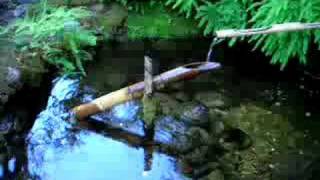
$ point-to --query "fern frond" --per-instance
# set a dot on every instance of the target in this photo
(224, 14)
(284, 46)
(184, 6)
(57, 33)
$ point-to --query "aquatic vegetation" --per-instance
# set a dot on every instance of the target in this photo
(56, 35)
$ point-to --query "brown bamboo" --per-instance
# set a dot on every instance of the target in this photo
(135, 91)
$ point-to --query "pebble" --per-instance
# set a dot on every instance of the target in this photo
(271, 166)
(308, 114)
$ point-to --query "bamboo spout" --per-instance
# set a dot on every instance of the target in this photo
(136, 91)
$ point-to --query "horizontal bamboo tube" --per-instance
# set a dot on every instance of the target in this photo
(276, 28)
(135, 91)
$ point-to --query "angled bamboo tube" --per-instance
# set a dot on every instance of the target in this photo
(136, 91)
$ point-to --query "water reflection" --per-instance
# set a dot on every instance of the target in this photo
(57, 151)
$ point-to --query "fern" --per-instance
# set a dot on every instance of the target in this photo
(224, 14)
(57, 35)
(185, 6)
(284, 46)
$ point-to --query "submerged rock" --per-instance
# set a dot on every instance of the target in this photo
(195, 113)
(213, 99)
(216, 175)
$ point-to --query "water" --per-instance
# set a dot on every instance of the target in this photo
(56, 151)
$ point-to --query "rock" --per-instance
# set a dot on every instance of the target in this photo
(7, 124)
(196, 156)
(212, 99)
(216, 127)
(173, 133)
(216, 175)
(169, 105)
(10, 74)
(181, 96)
(195, 113)
(27, 1)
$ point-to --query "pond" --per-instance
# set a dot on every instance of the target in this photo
(255, 122)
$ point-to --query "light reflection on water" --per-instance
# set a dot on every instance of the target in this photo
(1, 171)
(99, 157)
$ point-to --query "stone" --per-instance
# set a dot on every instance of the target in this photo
(216, 175)
(7, 124)
(181, 96)
(195, 113)
(212, 99)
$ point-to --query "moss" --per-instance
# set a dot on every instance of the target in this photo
(166, 25)
(270, 134)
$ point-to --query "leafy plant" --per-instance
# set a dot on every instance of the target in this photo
(224, 14)
(185, 6)
(56, 34)
(284, 46)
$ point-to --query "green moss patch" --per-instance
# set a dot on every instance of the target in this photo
(159, 23)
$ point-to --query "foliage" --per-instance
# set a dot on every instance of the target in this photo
(139, 6)
(223, 14)
(166, 25)
(56, 34)
(284, 46)
(185, 6)
(216, 16)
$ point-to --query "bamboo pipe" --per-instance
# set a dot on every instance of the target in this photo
(276, 28)
(136, 91)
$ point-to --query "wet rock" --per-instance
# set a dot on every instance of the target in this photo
(169, 105)
(212, 99)
(173, 133)
(216, 127)
(11, 10)
(195, 113)
(197, 156)
(7, 124)
(10, 74)
(216, 175)
(181, 96)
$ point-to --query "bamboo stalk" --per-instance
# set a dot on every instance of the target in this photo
(135, 91)
(148, 72)
(276, 28)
